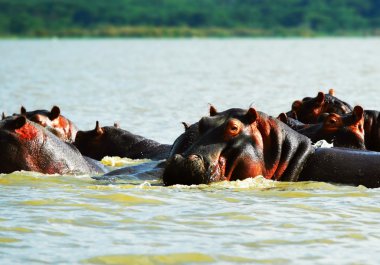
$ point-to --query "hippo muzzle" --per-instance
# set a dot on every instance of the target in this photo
(193, 169)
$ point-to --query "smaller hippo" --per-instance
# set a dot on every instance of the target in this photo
(113, 141)
(54, 121)
(309, 109)
(344, 130)
(26, 145)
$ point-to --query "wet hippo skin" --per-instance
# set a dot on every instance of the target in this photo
(114, 141)
(26, 145)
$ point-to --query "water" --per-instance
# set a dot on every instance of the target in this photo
(150, 86)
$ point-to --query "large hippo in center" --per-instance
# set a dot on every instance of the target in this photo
(26, 145)
(236, 144)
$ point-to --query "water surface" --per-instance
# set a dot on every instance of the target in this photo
(150, 86)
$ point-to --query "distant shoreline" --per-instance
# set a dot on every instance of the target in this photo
(185, 32)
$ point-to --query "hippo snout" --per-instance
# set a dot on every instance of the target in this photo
(186, 171)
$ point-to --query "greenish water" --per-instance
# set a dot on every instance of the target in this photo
(150, 86)
(65, 219)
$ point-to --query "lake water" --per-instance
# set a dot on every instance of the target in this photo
(150, 87)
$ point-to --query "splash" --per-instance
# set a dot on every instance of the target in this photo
(116, 161)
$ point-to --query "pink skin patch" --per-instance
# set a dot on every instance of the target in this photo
(27, 132)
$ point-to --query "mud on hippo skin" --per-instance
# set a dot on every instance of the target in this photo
(238, 144)
(62, 127)
(309, 109)
(26, 145)
(113, 141)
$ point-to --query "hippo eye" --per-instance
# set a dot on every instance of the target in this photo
(233, 129)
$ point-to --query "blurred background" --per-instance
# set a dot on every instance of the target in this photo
(171, 18)
(150, 64)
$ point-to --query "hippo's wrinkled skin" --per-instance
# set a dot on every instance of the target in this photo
(113, 141)
(54, 122)
(346, 130)
(237, 144)
(309, 109)
(26, 145)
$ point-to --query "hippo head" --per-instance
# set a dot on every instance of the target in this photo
(309, 109)
(53, 121)
(92, 143)
(235, 144)
(20, 143)
(346, 130)
(103, 141)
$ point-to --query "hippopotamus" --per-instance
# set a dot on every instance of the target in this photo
(54, 121)
(25, 145)
(309, 109)
(237, 144)
(313, 110)
(114, 141)
(346, 130)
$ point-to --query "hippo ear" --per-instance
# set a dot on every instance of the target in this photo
(282, 117)
(3, 116)
(18, 122)
(98, 129)
(358, 113)
(116, 125)
(54, 113)
(213, 110)
(320, 97)
(23, 110)
(331, 92)
(296, 105)
(251, 115)
(186, 125)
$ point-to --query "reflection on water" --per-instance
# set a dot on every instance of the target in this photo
(150, 86)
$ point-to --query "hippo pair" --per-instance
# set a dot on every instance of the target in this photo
(327, 117)
(42, 141)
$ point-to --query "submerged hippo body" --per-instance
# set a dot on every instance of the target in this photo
(26, 145)
(238, 144)
(113, 141)
(54, 122)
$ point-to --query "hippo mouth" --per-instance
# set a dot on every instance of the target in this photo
(194, 169)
